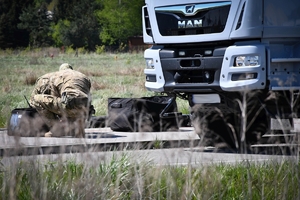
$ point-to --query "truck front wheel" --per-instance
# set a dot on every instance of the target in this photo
(220, 128)
(214, 127)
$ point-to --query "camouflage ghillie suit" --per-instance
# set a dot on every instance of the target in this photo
(63, 98)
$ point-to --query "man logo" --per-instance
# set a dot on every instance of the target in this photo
(196, 23)
(189, 9)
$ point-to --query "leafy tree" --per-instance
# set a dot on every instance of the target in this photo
(120, 19)
(64, 10)
(37, 21)
(10, 35)
(58, 31)
(76, 23)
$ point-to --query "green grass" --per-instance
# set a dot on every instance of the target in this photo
(122, 178)
(112, 75)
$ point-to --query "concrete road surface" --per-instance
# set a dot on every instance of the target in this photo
(195, 157)
(96, 139)
(138, 147)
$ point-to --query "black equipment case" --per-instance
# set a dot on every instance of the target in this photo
(26, 122)
(158, 113)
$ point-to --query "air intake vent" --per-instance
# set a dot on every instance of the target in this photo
(240, 18)
(147, 21)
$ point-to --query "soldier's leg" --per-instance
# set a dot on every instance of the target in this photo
(78, 121)
(49, 119)
(77, 126)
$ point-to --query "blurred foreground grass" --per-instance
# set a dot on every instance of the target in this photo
(122, 178)
(112, 75)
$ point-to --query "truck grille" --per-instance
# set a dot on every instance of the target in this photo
(194, 76)
(192, 19)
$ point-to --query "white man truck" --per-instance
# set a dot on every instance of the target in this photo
(237, 58)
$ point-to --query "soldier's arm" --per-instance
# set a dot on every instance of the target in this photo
(41, 87)
(49, 102)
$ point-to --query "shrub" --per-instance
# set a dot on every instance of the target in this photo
(100, 49)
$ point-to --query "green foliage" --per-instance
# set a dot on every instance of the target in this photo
(119, 20)
(36, 20)
(58, 32)
(73, 29)
(10, 35)
(7, 51)
(157, 144)
(70, 50)
(100, 49)
(52, 4)
(122, 47)
(81, 50)
(78, 23)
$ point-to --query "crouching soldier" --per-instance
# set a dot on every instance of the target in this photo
(63, 100)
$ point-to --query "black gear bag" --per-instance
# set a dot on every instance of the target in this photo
(158, 113)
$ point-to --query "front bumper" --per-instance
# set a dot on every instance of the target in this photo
(199, 74)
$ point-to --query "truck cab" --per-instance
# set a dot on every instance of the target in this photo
(213, 52)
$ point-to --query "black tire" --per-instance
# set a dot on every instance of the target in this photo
(222, 128)
(215, 128)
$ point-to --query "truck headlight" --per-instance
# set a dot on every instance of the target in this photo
(149, 63)
(241, 61)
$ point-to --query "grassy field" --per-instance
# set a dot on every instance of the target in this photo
(112, 75)
(121, 75)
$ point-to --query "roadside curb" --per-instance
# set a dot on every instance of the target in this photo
(97, 139)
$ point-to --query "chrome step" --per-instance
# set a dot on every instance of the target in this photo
(275, 145)
(280, 135)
